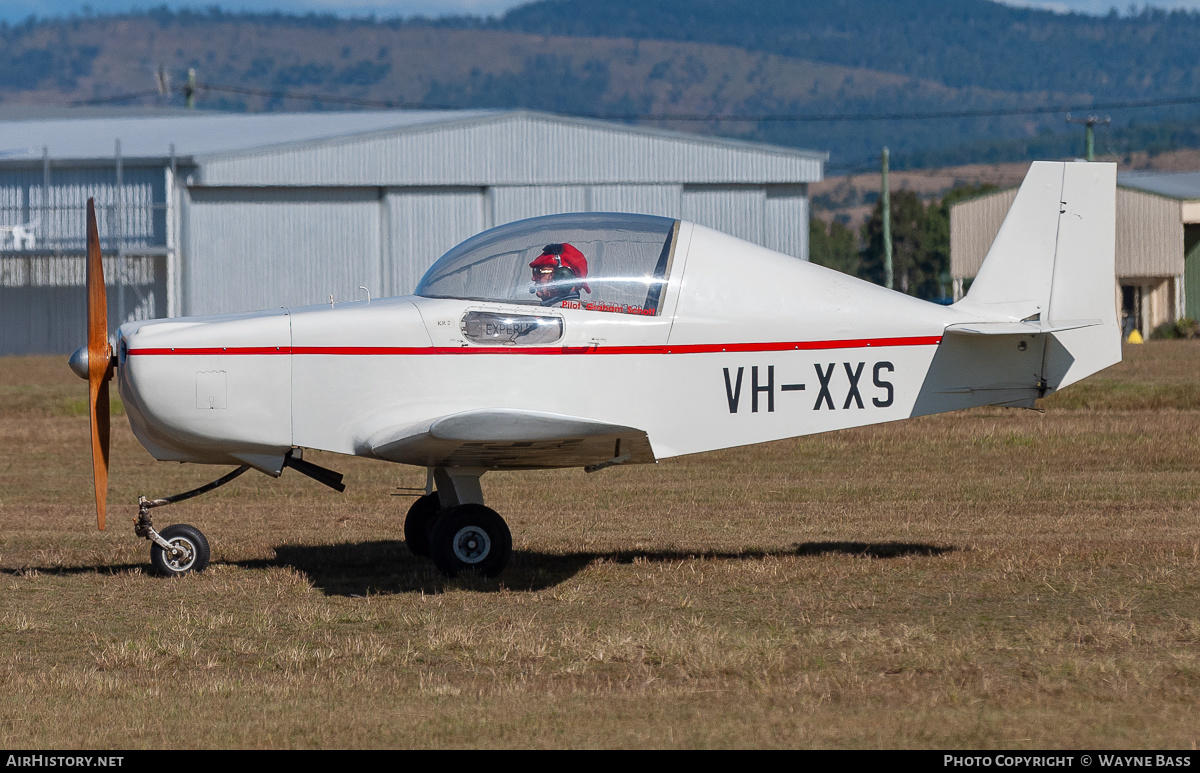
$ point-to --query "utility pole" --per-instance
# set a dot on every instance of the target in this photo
(163, 80)
(886, 206)
(1090, 122)
(189, 90)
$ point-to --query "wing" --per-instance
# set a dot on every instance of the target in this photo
(505, 439)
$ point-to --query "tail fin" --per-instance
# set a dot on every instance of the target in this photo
(1051, 267)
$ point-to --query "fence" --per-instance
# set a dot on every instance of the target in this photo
(43, 224)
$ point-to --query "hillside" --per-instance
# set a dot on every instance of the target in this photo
(96, 59)
(759, 58)
(959, 43)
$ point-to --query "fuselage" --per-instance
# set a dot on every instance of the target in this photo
(746, 345)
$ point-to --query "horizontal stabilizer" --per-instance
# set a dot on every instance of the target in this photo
(1019, 328)
(511, 439)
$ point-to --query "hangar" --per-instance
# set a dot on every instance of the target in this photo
(1158, 244)
(212, 213)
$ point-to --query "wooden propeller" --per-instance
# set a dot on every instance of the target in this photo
(99, 362)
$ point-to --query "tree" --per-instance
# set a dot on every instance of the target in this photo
(937, 230)
(835, 248)
(912, 270)
(920, 242)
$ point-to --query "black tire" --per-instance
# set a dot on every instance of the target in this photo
(471, 539)
(193, 555)
(418, 524)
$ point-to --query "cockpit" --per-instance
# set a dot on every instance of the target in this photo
(604, 262)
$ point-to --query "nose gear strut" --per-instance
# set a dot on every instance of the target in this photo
(182, 548)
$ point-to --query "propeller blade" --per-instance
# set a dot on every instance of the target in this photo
(99, 362)
(98, 391)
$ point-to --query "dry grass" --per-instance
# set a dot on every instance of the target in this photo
(993, 578)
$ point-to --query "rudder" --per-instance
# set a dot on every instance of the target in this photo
(1052, 266)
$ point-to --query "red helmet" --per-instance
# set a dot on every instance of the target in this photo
(563, 256)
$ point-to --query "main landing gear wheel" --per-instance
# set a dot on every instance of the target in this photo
(418, 524)
(470, 539)
(188, 551)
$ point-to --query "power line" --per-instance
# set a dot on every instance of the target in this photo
(912, 116)
(114, 99)
(272, 94)
(388, 104)
(689, 117)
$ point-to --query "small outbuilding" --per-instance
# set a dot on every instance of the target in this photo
(204, 213)
(1158, 244)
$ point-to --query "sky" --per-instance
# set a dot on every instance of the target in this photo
(17, 10)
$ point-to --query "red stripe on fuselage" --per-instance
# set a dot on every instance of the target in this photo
(542, 350)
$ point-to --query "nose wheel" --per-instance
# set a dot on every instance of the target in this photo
(179, 549)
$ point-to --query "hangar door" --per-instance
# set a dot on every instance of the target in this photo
(423, 223)
(262, 248)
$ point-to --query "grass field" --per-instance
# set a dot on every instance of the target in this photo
(994, 578)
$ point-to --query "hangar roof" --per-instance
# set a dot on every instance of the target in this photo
(516, 148)
(405, 147)
(197, 133)
(1176, 185)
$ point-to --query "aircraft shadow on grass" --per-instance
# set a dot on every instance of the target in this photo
(386, 567)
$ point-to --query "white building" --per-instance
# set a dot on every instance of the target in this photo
(211, 213)
(1157, 244)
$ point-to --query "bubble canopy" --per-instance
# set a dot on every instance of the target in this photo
(596, 261)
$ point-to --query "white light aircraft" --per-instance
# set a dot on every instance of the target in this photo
(593, 340)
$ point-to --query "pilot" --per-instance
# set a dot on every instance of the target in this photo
(556, 274)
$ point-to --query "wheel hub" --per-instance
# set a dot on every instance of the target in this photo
(471, 544)
(182, 554)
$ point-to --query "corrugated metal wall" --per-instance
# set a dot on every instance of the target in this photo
(643, 199)
(517, 149)
(43, 300)
(785, 218)
(734, 209)
(517, 202)
(973, 227)
(423, 223)
(61, 217)
(261, 248)
(256, 248)
(42, 288)
(1149, 233)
